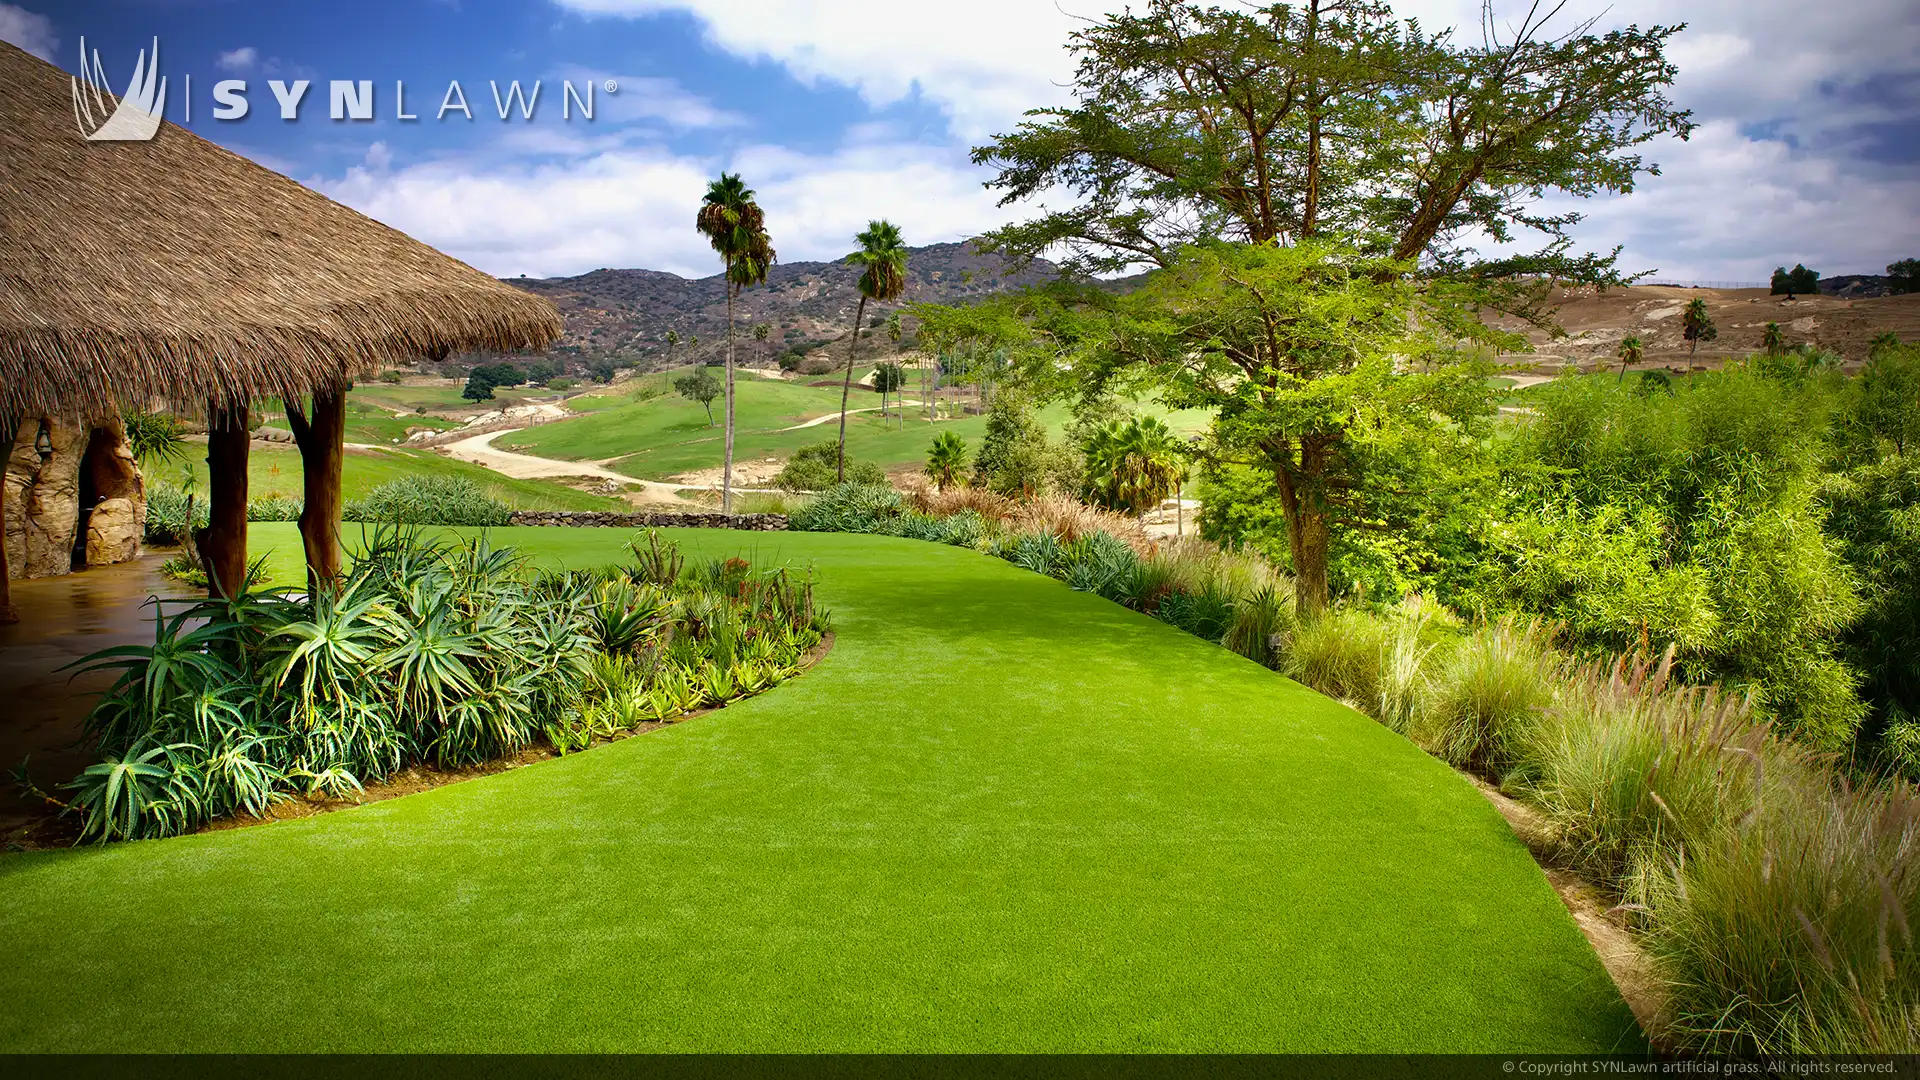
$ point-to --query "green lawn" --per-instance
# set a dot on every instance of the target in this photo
(277, 472)
(663, 436)
(1001, 815)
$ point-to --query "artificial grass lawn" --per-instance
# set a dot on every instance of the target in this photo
(277, 472)
(664, 436)
(1000, 815)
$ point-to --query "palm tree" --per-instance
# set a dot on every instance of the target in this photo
(1630, 353)
(883, 277)
(1135, 464)
(760, 334)
(1773, 339)
(893, 335)
(731, 221)
(947, 459)
(1697, 326)
(673, 338)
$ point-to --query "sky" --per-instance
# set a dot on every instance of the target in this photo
(1808, 146)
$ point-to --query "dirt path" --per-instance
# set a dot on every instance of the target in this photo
(480, 451)
(835, 415)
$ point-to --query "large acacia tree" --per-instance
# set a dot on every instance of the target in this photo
(1329, 124)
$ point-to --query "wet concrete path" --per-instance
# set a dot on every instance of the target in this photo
(63, 619)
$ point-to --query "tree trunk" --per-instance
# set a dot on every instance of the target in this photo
(726, 470)
(322, 447)
(846, 386)
(223, 543)
(8, 614)
(1307, 534)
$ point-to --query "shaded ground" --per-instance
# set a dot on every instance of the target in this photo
(1000, 815)
(62, 619)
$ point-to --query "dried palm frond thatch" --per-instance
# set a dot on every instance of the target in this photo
(175, 269)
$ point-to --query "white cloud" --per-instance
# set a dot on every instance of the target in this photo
(644, 97)
(239, 61)
(983, 62)
(633, 206)
(29, 31)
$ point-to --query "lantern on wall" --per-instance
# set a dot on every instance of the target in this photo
(44, 441)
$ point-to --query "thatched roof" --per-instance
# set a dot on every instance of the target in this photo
(176, 269)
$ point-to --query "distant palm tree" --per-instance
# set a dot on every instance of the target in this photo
(894, 335)
(947, 459)
(883, 277)
(673, 338)
(760, 334)
(1773, 339)
(731, 221)
(1135, 464)
(1630, 353)
(1696, 325)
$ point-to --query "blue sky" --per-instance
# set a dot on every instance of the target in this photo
(841, 111)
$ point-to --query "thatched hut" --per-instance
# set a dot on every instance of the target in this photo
(173, 269)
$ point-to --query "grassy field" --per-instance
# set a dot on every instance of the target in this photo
(277, 471)
(665, 435)
(1000, 815)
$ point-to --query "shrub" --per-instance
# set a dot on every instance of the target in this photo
(1791, 932)
(167, 521)
(1491, 684)
(817, 468)
(1262, 621)
(443, 653)
(428, 500)
(1340, 654)
(275, 508)
(853, 508)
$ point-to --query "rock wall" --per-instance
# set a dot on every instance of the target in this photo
(582, 519)
(43, 497)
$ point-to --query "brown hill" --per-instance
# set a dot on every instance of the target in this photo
(625, 314)
(1595, 324)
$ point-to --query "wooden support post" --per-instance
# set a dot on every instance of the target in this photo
(322, 442)
(223, 543)
(8, 614)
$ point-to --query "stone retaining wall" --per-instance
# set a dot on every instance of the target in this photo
(581, 519)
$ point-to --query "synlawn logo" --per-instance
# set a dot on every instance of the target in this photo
(135, 115)
(133, 118)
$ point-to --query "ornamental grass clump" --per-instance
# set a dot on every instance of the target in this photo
(428, 500)
(429, 651)
(1791, 931)
(1487, 688)
(1342, 654)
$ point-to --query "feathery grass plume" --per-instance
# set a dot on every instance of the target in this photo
(1341, 654)
(1491, 684)
(1630, 770)
(1792, 931)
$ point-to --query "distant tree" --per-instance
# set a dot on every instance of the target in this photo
(1889, 397)
(1630, 353)
(673, 338)
(540, 371)
(1904, 276)
(882, 259)
(478, 388)
(817, 467)
(1773, 339)
(888, 378)
(699, 385)
(1697, 326)
(760, 334)
(500, 374)
(601, 371)
(1133, 465)
(947, 459)
(732, 222)
(1782, 282)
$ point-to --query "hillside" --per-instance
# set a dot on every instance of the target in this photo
(1596, 323)
(625, 314)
